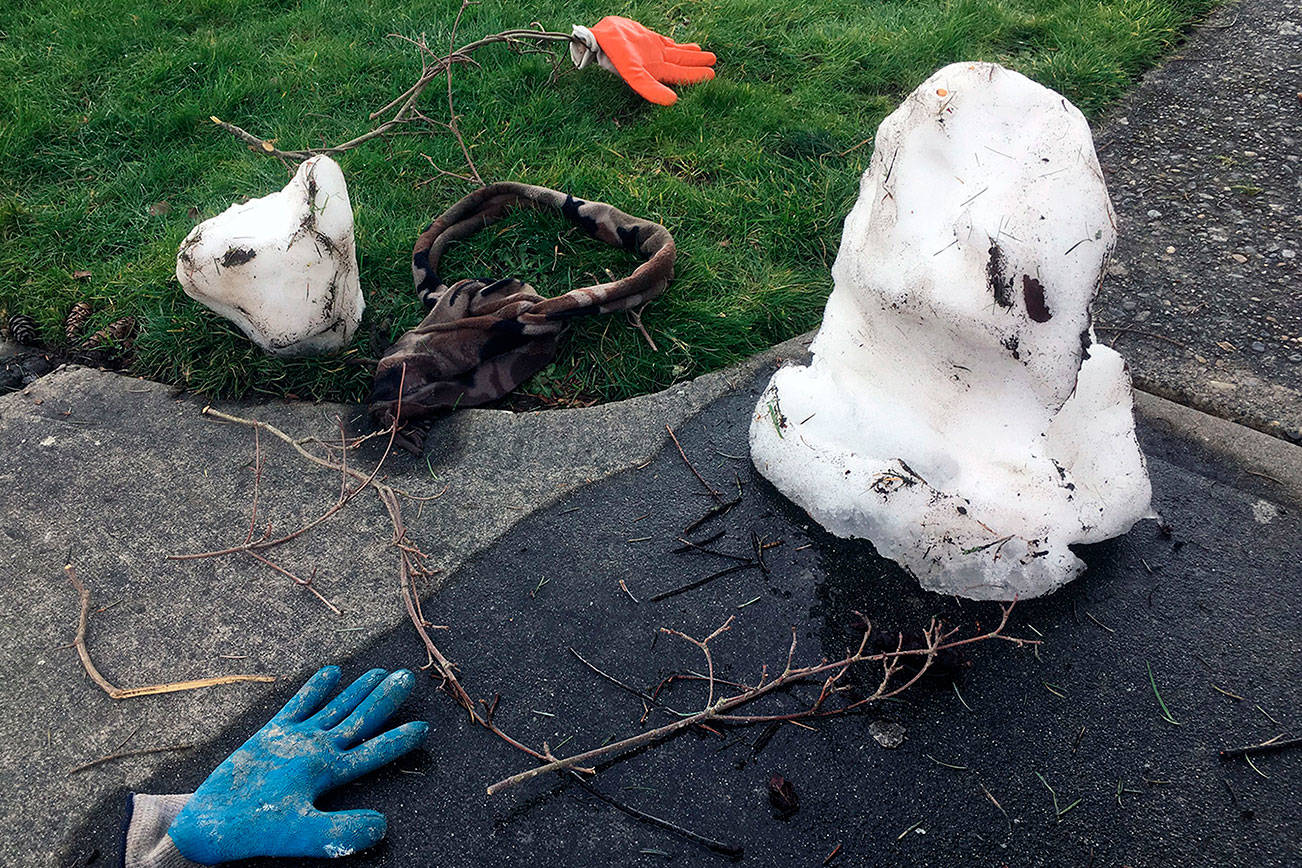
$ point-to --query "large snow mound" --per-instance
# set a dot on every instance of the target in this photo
(957, 411)
(284, 267)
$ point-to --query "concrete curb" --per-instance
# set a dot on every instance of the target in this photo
(1261, 455)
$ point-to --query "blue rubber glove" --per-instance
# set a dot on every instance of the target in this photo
(259, 802)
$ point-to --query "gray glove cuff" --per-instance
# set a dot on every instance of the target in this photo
(584, 49)
(147, 841)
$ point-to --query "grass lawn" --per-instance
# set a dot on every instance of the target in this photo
(104, 108)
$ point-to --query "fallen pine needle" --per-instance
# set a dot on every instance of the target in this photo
(1090, 615)
(1254, 766)
(1233, 696)
(908, 830)
(945, 764)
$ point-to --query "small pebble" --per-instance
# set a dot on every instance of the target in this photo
(1238, 257)
(1258, 347)
(1295, 358)
(1154, 214)
(1170, 250)
(1128, 305)
(1288, 254)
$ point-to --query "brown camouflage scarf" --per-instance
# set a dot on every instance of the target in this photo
(483, 337)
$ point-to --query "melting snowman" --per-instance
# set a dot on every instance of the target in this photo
(957, 411)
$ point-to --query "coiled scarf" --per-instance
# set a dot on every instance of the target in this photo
(483, 337)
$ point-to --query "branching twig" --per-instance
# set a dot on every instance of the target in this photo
(405, 105)
(936, 640)
(411, 563)
(635, 320)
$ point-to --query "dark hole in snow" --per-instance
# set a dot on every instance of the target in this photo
(1000, 287)
(1033, 293)
(1011, 343)
(237, 256)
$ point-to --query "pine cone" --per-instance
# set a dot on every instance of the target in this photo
(76, 320)
(119, 333)
(22, 328)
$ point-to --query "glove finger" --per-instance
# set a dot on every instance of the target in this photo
(331, 834)
(669, 43)
(689, 56)
(349, 699)
(379, 751)
(637, 77)
(310, 695)
(684, 74)
(369, 717)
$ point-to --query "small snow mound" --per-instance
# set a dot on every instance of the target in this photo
(957, 412)
(284, 267)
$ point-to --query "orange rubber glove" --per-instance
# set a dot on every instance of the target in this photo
(645, 60)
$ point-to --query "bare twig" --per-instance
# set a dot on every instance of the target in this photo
(115, 692)
(452, 112)
(635, 319)
(127, 753)
(405, 105)
(645, 697)
(1276, 743)
(731, 850)
(306, 583)
(718, 498)
(936, 640)
(693, 585)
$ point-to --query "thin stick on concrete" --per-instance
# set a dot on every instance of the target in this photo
(116, 692)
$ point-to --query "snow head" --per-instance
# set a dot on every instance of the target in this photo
(284, 267)
(957, 412)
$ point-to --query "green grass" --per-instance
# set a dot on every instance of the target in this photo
(104, 110)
